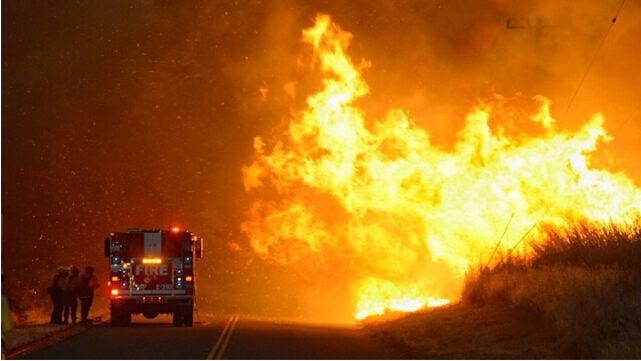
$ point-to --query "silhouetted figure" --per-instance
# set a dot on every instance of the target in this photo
(69, 294)
(55, 290)
(85, 292)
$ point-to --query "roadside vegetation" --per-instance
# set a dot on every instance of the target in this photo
(583, 281)
(577, 294)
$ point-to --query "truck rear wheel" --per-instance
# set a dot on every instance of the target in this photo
(127, 318)
(188, 318)
(178, 318)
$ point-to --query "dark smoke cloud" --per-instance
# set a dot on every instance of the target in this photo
(121, 114)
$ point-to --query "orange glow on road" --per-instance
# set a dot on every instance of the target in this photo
(375, 203)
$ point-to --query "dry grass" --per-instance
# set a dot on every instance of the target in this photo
(584, 281)
(578, 295)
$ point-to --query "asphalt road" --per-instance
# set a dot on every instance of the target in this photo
(215, 338)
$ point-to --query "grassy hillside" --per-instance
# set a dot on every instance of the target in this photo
(578, 295)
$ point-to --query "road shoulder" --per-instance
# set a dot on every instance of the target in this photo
(467, 332)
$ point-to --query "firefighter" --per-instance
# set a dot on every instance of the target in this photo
(69, 294)
(55, 290)
(85, 292)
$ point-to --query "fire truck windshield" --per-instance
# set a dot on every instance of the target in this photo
(133, 245)
(171, 244)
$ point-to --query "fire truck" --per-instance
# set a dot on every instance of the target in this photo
(152, 272)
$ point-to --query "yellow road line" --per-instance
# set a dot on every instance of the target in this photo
(219, 348)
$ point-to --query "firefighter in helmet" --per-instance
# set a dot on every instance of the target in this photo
(85, 292)
(69, 293)
(55, 291)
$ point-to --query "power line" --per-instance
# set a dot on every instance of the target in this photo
(625, 121)
(614, 19)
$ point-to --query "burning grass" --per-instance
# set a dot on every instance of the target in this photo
(576, 295)
(583, 281)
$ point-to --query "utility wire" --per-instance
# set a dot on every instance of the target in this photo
(500, 239)
(614, 19)
(625, 121)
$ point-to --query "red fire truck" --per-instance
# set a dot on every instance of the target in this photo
(152, 271)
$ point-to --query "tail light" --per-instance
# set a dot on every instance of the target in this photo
(116, 252)
(189, 282)
(179, 281)
(114, 280)
(119, 279)
(183, 279)
(188, 258)
(124, 279)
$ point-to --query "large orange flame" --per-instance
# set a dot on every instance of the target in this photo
(400, 218)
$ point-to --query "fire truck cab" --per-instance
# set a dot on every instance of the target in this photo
(152, 272)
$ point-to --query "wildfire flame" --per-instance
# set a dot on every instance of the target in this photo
(376, 203)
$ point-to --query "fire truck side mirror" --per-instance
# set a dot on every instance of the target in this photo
(107, 247)
(199, 247)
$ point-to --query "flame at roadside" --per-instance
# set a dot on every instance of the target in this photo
(373, 204)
